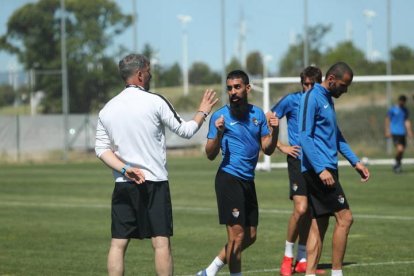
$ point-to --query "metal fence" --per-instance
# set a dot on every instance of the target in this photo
(25, 135)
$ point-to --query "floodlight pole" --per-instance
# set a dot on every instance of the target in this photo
(305, 34)
(184, 19)
(389, 68)
(65, 91)
(135, 27)
(223, 54)
(369, 14)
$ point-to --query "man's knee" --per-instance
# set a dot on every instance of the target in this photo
(301, 206)
(345, 219)
(161, 243)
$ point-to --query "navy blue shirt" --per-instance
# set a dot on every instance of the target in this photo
(289, 106)
(319, 135)
(241, 142)
(398, 115)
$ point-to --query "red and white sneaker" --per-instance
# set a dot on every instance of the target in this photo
(286, 266)
(300, 267)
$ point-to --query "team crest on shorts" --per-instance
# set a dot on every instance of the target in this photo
(341, 199)
(235, 213)
(255, 121)
(294, 187)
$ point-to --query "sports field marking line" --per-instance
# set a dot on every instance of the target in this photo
(182, 208)
(350, 265)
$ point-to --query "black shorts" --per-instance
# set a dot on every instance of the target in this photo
(236, 200)
(324, 200)
(297, 183)
(399, 140)
(141, 211)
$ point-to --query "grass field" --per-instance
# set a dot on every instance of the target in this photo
(55, 220)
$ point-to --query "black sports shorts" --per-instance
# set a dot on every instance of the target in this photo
(324, 200)
(236, 200)
(297, 183)
(399, 140)
(141, 211)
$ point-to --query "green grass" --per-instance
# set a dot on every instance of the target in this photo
(55, 220)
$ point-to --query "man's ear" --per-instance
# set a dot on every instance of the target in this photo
(248, 88)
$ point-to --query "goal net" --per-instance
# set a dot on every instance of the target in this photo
(360, 113)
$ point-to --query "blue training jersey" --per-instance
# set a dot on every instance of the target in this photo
(289, 106)
(241, 142)
(319, 135)
(398, 115)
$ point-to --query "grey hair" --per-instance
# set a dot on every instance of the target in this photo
(131, 63)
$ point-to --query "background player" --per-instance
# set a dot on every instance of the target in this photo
(397, 127)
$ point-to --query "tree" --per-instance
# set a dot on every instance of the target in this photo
(254, 63)
(402, 58)
(33, 34)
(292, 62)
(171, 76)
(200, 73)
(233, 65)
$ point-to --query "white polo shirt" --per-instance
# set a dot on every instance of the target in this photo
(132, 125)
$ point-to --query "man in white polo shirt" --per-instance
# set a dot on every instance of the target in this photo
(130, 139)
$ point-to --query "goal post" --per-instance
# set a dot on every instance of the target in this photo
(263, 85)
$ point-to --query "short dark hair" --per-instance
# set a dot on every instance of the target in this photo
(402, 98)
(339, 69)
(238, 74)
(311, 72)
(132, 62)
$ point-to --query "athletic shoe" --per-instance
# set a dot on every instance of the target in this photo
(286, 266)
(397, 169)
(202, 273)
(300, 267)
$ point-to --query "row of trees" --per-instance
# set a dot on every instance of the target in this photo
(33, 35)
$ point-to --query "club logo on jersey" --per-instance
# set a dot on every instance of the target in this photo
(255, 121)
(235, 213)
(341, 199)
(294, 187)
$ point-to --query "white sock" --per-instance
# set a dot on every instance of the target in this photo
(214, 267)
(236, 274)
(336, 272)
(289, 249)
(301, 256)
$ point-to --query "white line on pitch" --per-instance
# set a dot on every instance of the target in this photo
(350, 265)
(182, 208)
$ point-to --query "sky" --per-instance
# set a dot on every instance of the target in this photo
(270, 25)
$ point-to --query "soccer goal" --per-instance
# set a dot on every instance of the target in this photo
(360, 113)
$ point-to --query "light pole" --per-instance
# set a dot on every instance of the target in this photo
(184, 19)
(223, 54)
(369, 14)
(65, 90)
(266, 59)
(305, 35)
(135, 27)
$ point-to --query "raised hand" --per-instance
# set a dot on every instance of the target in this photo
(208, 101)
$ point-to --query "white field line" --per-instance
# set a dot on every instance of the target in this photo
(345, 266)
(179, 208)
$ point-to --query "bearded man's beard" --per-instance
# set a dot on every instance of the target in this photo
(240, 108)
